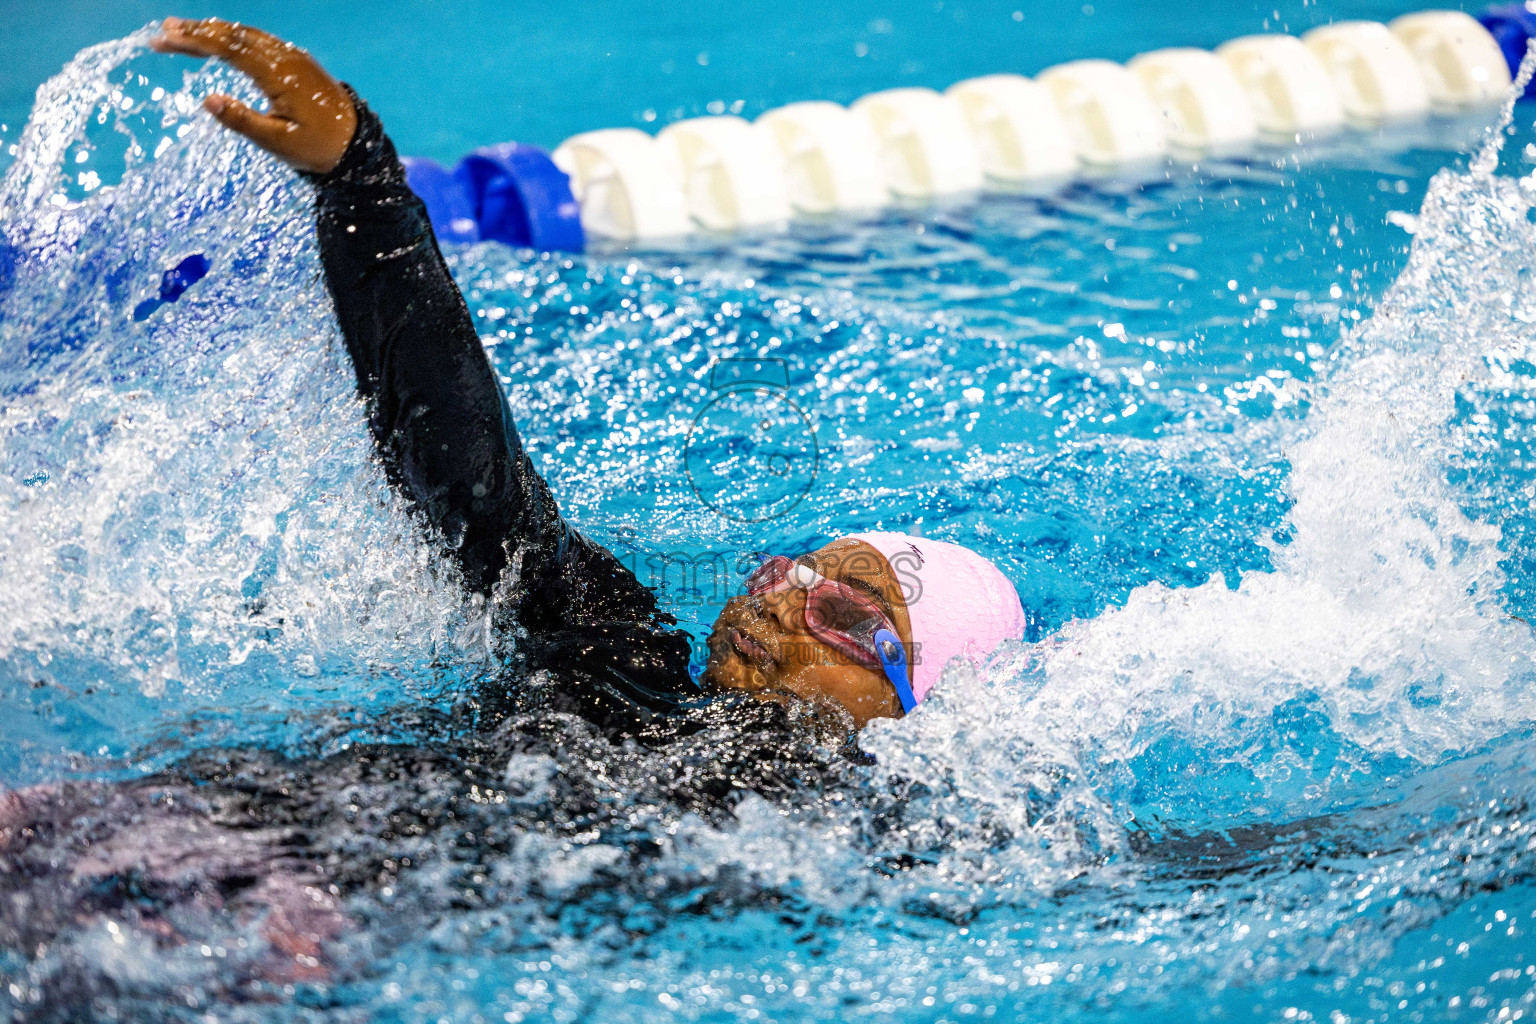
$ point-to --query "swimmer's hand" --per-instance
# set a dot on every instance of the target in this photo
(309, 120)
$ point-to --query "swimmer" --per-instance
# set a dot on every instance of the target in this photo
(866, 622)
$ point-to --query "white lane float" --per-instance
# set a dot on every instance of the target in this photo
(1289, 89)
(1107, 112)
(732, 174)
(1202, 103)
(926, 149)
(1376, 75)
(1019, 133)
(815, 158)
(629, 185)
(1461, 63)
(830, 158)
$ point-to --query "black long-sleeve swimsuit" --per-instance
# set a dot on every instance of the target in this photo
(248, 829)
(448, 443)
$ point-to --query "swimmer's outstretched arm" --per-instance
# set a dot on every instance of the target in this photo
(439, 415)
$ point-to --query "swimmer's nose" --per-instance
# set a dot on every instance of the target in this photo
(787, 609)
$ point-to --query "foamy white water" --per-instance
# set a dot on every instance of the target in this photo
(193, 509)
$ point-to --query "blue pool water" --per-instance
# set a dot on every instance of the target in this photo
(1252, 439)
(449, 77)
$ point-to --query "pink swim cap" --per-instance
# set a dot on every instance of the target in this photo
(960, 604)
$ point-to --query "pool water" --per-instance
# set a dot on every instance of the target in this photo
(1252, 439)
(447, 78)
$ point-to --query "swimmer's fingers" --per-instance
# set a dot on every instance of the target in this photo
(268, 60)
(312, 117)
(268, 132)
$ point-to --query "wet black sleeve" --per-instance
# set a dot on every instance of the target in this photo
(439, 415)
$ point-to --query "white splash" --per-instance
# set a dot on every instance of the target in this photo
(192, 505)
(1383, 615)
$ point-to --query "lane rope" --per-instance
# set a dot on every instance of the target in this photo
(724, 173)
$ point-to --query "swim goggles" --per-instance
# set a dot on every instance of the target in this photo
(842, 618)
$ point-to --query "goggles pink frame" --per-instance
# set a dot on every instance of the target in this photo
(836, 614)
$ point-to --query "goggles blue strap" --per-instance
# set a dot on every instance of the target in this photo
(893, 658)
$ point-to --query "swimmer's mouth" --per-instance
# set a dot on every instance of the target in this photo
(752, 651)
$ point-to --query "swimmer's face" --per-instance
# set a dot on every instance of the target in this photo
(761, 645)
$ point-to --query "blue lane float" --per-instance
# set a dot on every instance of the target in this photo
(1512, 27)
(450, 209)
(725, 173)
(521, 198)
(510, 193)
